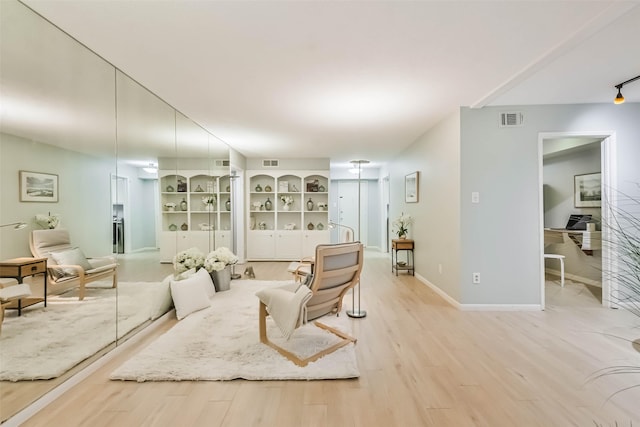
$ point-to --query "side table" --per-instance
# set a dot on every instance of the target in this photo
(19, 268)
(406, 245)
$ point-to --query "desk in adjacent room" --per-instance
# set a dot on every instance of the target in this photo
(587, 241)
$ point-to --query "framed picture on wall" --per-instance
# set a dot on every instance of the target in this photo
(38, 187)
(587, 190)
(411, 188)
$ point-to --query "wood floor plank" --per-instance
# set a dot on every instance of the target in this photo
(422, 363)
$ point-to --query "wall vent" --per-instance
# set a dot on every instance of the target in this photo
(221, 163)
(511, 119)
(270, 163)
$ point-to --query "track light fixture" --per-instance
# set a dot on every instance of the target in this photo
(619, 98)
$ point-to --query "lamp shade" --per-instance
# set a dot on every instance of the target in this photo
(619, 98)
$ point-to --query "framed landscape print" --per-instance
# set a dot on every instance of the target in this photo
(411, 188)
(38, 187)
(587, 190)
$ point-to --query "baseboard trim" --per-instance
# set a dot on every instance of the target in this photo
(49, 397)
(478, 307)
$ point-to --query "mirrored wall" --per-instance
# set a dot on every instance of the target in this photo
(72, 117)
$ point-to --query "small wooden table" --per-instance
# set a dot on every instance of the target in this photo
(19, 268)
(402, 245)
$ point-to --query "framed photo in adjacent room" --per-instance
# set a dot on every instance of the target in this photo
(38, 187)
(411, 186)
(587, 190)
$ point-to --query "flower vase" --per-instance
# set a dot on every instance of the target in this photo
(285, 207)
(222, 279)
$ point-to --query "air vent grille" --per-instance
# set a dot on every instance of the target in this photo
(221, 163)
(270, 163)
(511, 119)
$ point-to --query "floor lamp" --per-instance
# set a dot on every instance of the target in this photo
(16, 225)
(357, 312)
(234, 228)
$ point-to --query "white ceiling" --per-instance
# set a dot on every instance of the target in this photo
(356, 79)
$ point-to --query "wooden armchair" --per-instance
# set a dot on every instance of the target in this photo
(337, 269)
(77, 270)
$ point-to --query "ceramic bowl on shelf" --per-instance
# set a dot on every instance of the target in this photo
(401, 263)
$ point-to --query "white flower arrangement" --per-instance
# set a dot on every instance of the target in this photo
(402, 223)
(287, 200)
(217, 260)
(188, 259)
(209, 200)
(48, 221)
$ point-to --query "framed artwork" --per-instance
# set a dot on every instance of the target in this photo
(587, 190)
(38, 187)
(411, 188)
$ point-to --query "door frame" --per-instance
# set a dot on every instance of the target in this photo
(608, 168)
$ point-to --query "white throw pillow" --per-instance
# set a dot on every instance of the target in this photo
(189, 295)
(161, 300)
(207, 282)
(71, 257)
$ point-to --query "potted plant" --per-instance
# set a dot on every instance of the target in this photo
(402, 225)
(218, 263)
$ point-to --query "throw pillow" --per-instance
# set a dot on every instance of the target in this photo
(189, 295)
(71, 257)
(161, 301)
(207, 282)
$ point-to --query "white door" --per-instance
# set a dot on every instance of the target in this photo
(347, 205)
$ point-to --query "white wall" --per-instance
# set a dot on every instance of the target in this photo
(84, 195)
(501, 235)
(436, 227)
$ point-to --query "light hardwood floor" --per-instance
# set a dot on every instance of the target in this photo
(422, 363)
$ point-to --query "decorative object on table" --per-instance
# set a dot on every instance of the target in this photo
(249, 272)
(199, 189)
(218, 263)
(184, 226)
(38, 187)
(287, 201)
(310, 204)
(320, 226)
(183, 205)
(262, 225)
(310, 226)
(188, 259)
(227, 205)
(258, 188)
(283, 186)
(171, 207)
(257, 206)
(182, 186)
(402, 223)
(290, 226)
(209, 202)
(267, 188)
(321, 188)
(170, 189)
(587, 190)
(322, 206)
(48, 221)
(173, 227)
(312, 186)
(411, 188)
(268, 205)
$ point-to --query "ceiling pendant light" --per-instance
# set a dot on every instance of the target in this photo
(619, 98)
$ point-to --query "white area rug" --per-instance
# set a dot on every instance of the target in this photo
(222, 343)
(44, 343)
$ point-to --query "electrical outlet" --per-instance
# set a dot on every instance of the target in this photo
(476, 278)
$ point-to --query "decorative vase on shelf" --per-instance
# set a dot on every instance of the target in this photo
(310, 204)
(322, 189)
(183, 205)
(286, 207)
(228, 189)
(222, 279)
(258, 188)
(227, 205)
(184, 226)
(268, 205)
(267, 188)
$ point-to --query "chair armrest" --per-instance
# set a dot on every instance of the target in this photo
(65, 271)
(98, 262)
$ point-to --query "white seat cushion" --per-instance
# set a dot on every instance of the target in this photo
(18, 291)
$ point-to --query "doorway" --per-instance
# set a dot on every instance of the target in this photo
(345, 209)
(606, 146)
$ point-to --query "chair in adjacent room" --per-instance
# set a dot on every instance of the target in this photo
(337, 269)
(10, 291)
(66, 264)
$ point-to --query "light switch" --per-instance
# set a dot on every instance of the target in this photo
(475, 197)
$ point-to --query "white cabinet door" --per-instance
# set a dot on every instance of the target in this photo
(203, 240)
(223, 239)
(311, 239)
(288, 245)
(167, 246)
(261, 244)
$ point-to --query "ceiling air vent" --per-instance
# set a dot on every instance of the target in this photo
(221, 163)
(511, 119)
(270, 163)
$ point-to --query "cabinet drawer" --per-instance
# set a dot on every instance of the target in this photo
(39, 267)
